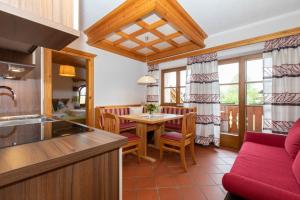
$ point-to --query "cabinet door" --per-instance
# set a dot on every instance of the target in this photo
(97, 178)
(14, 3)
(59, 11)
(63, 12)
(56, 185)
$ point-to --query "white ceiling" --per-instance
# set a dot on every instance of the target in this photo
(213, 16)
(216, 16)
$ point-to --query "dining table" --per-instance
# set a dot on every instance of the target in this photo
(150, 122)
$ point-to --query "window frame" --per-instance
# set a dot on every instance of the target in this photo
(178, 87)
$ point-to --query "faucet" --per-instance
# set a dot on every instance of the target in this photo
(13, 94)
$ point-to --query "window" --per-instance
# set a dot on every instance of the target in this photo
(82, 95)
(173, 83)
(229, 83)
(254, 82)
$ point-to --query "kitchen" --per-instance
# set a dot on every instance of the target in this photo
(44, 157)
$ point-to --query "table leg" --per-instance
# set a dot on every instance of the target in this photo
(157, 133)
(141, 130)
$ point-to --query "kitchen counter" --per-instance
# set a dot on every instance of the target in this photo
(22, 162)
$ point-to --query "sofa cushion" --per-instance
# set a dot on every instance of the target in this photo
(296, 167)
(172, 136)
(266, 164)
(292, 142)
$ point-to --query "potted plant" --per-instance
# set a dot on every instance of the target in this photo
(150, 108)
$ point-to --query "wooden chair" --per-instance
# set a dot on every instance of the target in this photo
(176, 142)
(112, 124)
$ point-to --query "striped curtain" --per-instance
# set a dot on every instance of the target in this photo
(153, 89)
(281, 83)
(204, 94)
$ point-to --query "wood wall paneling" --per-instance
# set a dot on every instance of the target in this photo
(27, 90)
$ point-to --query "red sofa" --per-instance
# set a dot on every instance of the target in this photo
(265, 168)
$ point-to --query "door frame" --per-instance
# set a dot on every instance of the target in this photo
(90, 115)
(233, 140)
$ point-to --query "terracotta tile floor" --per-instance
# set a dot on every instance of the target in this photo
(165, 180)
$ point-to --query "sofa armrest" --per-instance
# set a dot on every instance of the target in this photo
(252, 189)
(265, 138)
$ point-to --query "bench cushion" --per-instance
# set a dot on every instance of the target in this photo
(130, 136)
(127, 125)
(172, 136)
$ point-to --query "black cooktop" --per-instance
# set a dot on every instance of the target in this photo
(29, 133)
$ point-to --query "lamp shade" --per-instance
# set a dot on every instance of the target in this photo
(146, 80)
(67, 70)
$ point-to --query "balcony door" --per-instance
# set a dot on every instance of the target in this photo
(241, 96)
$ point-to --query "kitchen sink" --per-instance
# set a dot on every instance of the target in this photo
(23, 119)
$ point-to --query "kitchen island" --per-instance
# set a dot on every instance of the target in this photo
(76, 167)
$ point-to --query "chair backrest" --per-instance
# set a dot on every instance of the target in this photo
(111, 123)
(189, 125)
(177, 110)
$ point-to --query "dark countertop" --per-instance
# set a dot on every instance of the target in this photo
(27, 160)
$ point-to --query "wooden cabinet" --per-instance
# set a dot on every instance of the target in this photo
(96, 178)
(59, 11)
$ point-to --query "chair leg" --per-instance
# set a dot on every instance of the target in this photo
(192, 149)
(161, 150)
(182, 157)
(139, 152)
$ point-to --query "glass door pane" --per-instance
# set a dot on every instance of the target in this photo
(229, 97)
(254, 95)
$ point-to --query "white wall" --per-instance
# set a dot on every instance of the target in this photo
(267, 26)
(115, 76)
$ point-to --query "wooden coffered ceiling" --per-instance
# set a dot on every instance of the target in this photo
(166, 25)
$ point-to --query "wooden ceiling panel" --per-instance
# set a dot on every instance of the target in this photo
(147, 30)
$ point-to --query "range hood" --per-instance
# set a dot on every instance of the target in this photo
(14, 71)
(24, 32)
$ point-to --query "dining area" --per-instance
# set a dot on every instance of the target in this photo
(170, 128)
